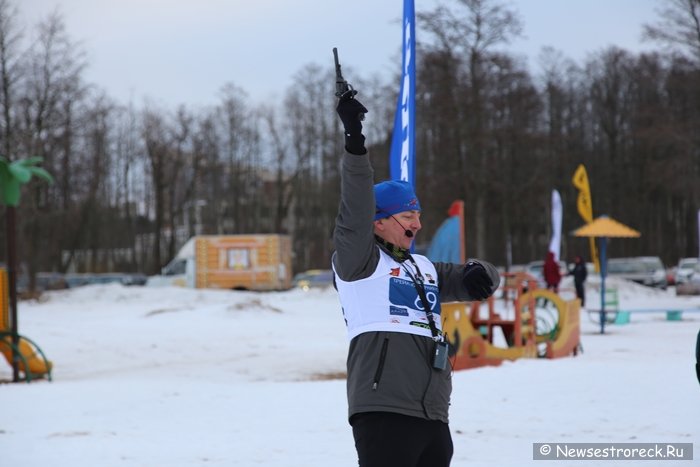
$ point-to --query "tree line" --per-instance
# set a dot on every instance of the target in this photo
(132, 183)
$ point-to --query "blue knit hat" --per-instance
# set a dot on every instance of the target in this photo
(394, 196)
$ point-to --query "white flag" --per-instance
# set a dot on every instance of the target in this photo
(555, 243)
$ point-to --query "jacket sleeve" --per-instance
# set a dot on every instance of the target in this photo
(356, 254)
(450, 280)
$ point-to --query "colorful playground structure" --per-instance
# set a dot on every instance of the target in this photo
(31, 361)
(530, 323)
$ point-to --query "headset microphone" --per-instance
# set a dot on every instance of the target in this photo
(406, 232)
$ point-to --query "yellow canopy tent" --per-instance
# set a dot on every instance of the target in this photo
(604, 227)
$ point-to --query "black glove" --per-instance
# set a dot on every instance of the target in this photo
(349, 110)
(477, 281)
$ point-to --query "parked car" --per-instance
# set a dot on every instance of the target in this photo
(80, 279)
(313, 278)
(43, 281)
(645, 270)
(685, 269)
(691, 285)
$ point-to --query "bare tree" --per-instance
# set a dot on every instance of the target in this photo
(129, 179)
(182, 174)
(206, 144)
(466, 36)
(485, 134)
(10, 37)
(286, 173)
(240, 154)
(610, 83)
(313, 143)
(51, 89)
(154, 134)
(679, 25)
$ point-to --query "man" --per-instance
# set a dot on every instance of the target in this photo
(399, 380)
(580, 274)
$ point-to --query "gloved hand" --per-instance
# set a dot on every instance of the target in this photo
(477, 281)
(349, 110)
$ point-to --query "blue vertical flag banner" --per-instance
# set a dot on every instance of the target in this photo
(402, 159)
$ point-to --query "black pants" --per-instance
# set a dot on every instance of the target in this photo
(385, 439)
(580, 292)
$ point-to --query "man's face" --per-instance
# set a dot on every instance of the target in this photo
(393, 230)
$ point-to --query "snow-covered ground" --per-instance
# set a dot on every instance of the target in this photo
(174, 377)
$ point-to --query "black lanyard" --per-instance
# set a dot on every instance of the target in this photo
(420, 288)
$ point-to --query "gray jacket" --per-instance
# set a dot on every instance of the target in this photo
(388, 371)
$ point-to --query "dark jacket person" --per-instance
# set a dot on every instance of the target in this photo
(398, 390)
(551, 272)
(580, 274)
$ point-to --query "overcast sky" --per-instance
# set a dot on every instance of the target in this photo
(184, 51)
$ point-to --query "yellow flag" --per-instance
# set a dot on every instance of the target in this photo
(585, 206)
(580, 179)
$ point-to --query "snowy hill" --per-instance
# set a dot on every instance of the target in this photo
(177, 377)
